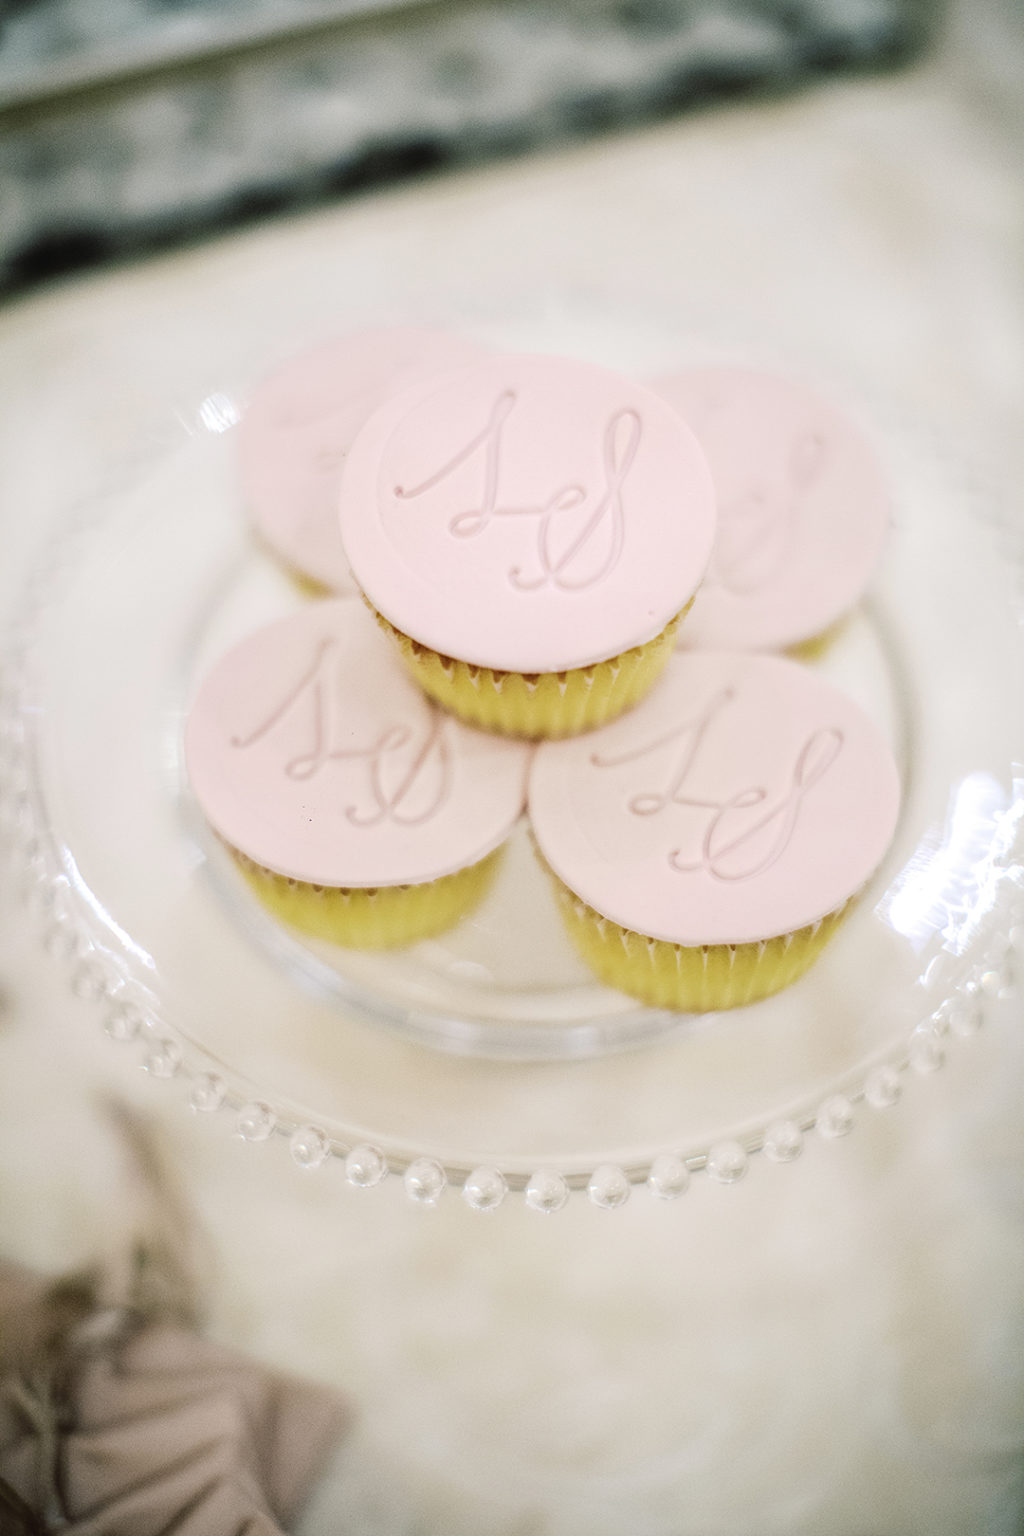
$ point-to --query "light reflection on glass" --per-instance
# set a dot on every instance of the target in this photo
(952, 880)
(89, 897)
(218, 413)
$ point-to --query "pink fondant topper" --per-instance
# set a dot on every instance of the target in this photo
(802, 509)
(528, 514)
(743, 799)
(310, 751)
(300, 424)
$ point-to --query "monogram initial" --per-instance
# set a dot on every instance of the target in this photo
(398, 769)
(756, 530)
(604, 521)
(743, 835)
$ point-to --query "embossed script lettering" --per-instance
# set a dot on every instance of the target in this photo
(400, 771)
(744, 835)
(757, 529)
(603, 525)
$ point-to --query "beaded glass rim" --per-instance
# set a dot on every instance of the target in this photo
(957, 988)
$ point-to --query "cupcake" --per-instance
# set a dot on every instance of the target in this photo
(357, 811)
(802, 510)
(529, 531)
(299, 425)
(706, 846)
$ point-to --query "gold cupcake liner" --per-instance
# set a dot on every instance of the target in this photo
(384, 917)
(691, 979)
(308, 586)
(816, 647)
(545, 704)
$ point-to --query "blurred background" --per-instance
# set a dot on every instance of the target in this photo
(126, 124)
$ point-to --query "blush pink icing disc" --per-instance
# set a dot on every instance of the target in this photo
(802, 509)
(310, 751)
(300, 424)
(529, 514)
(743, 799)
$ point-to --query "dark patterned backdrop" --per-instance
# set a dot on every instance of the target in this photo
(129, 123)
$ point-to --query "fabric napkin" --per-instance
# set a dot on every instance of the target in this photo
(112, 1424)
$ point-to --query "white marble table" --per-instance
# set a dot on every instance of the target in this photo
(836, 1347)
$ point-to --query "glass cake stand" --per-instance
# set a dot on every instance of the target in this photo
(488, 1060)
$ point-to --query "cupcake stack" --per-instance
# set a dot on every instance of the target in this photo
(575, 592)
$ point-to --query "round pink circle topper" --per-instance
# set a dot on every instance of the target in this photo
(743, 799)
(802, 509)
(529, 514)
(311, 751)
(300, 423)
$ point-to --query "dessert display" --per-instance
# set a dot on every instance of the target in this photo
(252, 982)
(706, 845)
(330, 1084)
(530, 530)
(299, 425)
(356, 809)
(803, 510)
